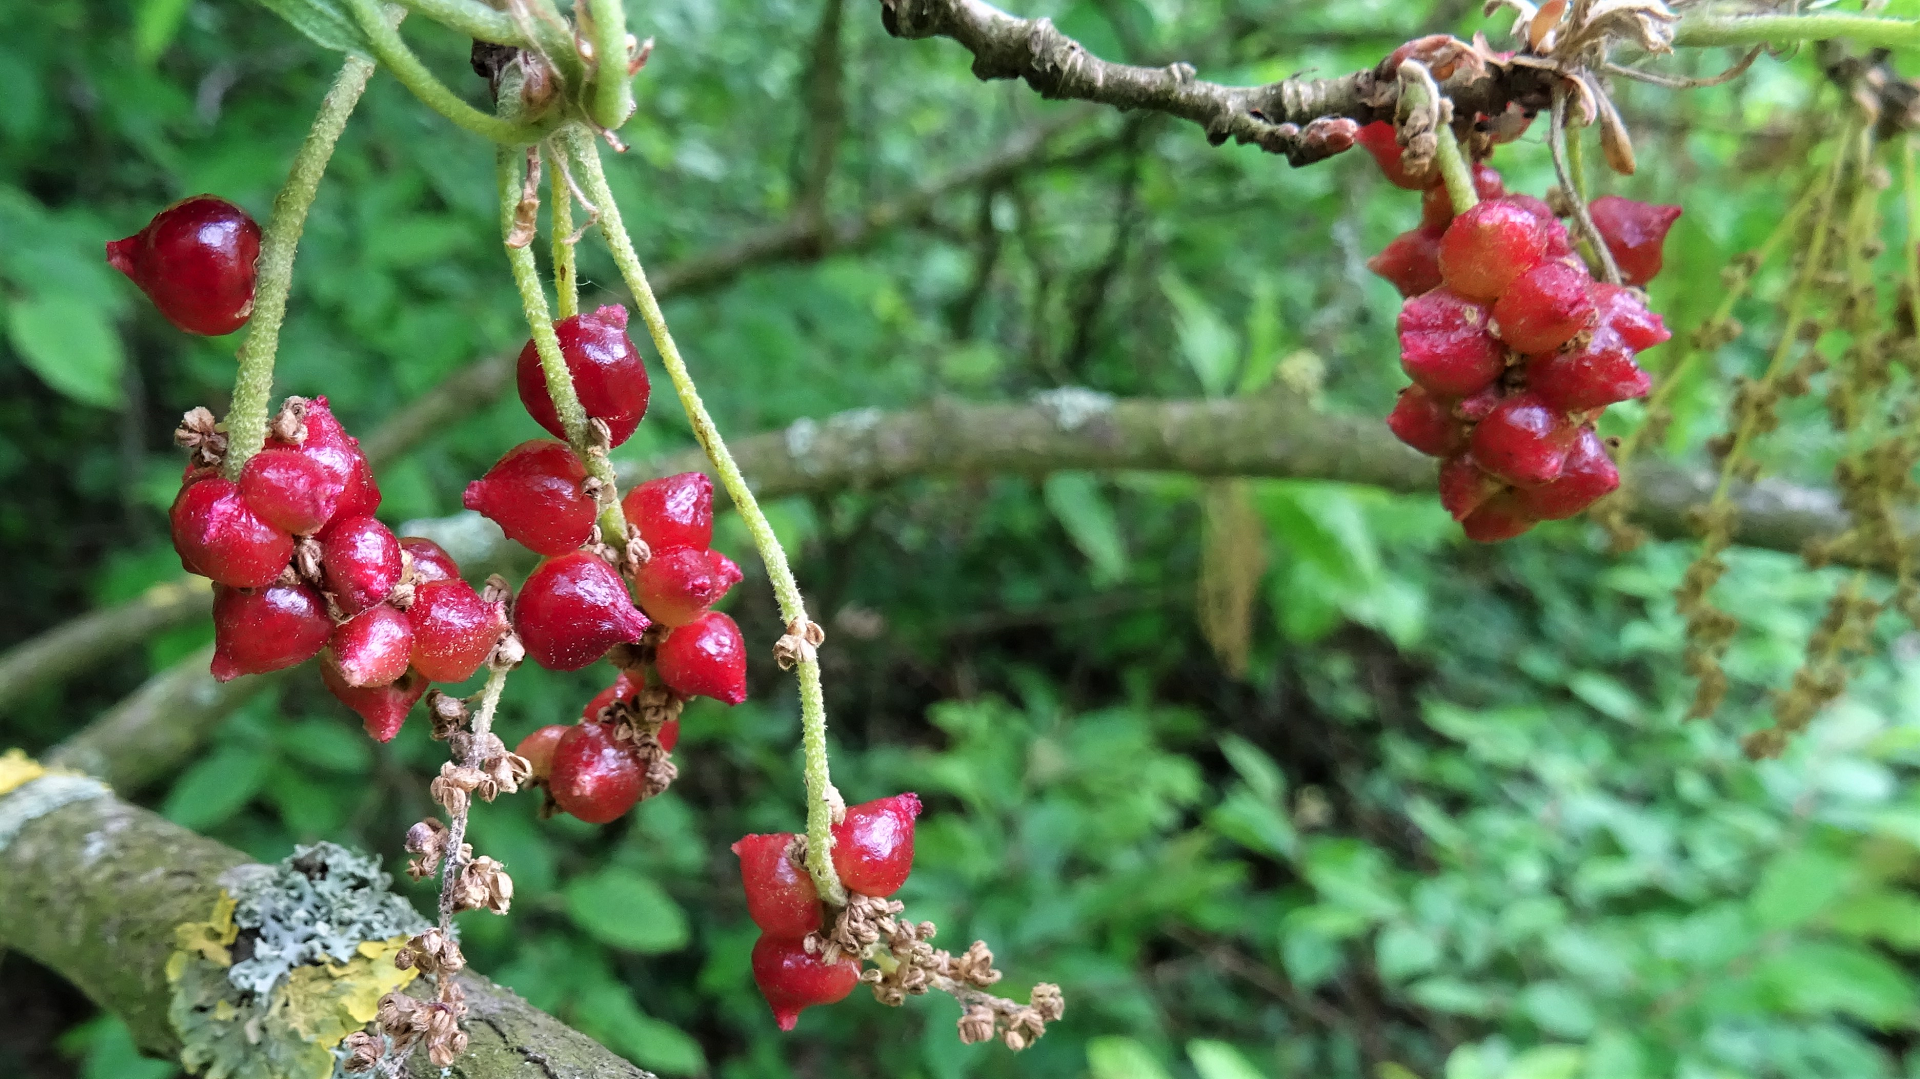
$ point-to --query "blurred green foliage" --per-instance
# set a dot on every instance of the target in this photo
(1450, 823)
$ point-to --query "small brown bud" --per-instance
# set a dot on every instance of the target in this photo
(976, 1025)
(364, 1051)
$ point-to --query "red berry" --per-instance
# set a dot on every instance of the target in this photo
(1473, 409)
(607, 373)
(1464, 486)
(1524, 441)
(677, 585)
(673, 511)
(1410, 261)
(1623, 311)
(382, 708)
(431, 562)
(873, 845)
(572, 609)
(1498, 518)
(538, 748)
(533, 494)
(625, 687)
(1545, 307)
(1383, 143)
(218, 535)
(329, 445)
(373, 647)
(194, 260)
(453, 630)
(266, 630)
(592, 776)
(793, 980)
(1488, 246)
(1436, 206)
(1595, 375)
(1426, 423)
(1559, 243)
(1635, 232)
(290, 490)
(361, 558)
(1588, 475)
(726, 570)
(705, 658)
(1446, 345)
(781, 898)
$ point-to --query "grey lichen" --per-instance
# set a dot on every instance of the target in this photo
(1070, 407)
(39, 797)
(319, 904)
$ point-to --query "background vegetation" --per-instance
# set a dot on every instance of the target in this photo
(1440, 817)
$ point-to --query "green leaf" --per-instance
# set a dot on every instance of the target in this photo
(607, 1012)
(70, 345)
(1263, 777)
(1403, 950)
(621, 909)
(325, 22)
(1798, 884)
(1206, 342)
(217, 787)
(1218, 1060)
(1078, 504)
(327, 744)
(1255, 824)
(1122, 1058)
(1813, 978)
(106, 1050)
(1263, 337)
(155, 24)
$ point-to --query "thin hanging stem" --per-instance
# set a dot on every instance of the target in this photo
(610, 96)
(1454, 171)
(566, 279)
(822, 799)
(253, 385)
(391, 50)
(1557, 143)
(1705, 29)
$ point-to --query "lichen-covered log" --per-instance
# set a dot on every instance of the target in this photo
(99, 891)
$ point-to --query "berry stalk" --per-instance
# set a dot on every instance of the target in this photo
(611, 95)
(566, 402)
(566, 276)
(383, 37)
(471, 18)
(1557, 146)
(253, 385)
(1454, 171)
(821, 796)
(1705, 30)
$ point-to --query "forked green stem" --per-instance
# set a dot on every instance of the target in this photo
(253, 385)
(470, 17)
(821, 797)
(391, 50)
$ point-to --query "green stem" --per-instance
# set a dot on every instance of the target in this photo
(471, 18)
(610, 98)
(793, 609)
(1576, 162)
(1701, 30)
(566, 402)
(253, 386)
(391, 50)
(566, 277)
(1454, 171)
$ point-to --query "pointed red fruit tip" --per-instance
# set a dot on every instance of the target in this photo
(573, 609)
(873, 844)
(1636, 234)
(705, 658)
(1410, 262)
(1426, 423)
(792, 979)
(533, 492)
(382, 709)
(1500, 518)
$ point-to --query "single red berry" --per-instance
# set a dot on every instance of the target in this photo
(1464, 486)
(194, 260)
(1426, 423)
(1474, 408)
(381, 708)
(217, 535)
(1592, 376)
(1588, 475)
(873, 844)
(361, 559)
(290, 490)
(533, 493)
(1383, 143)
(572, 609)
(793, 980)
(726, 571)
(1559, 242)
(1410, 262)
(705, 658)
(330, 446)
(1523, 441)
(1625, 312)
(1488, 246)
(1498, 518)
(431, 562)
(373, 647)
(1545, 307)
(592, 776)
(781, 898)
(453, 630)
(256, 631)
(1636, 233)
(1436, 206)
(677, 585)
(673, 511)
(1447, 346)
(538, 748)
(607, 373)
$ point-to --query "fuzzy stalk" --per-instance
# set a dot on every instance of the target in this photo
(566, 275)
(1455, 172)
(253, 385)
(1557, 146)
(1705, 29)
(821, 796)
(471, 18)
(610, 97)
(393, 53)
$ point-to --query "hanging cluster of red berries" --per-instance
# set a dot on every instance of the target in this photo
(872, 855)
(1513, 348)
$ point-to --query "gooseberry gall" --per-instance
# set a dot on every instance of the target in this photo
(1636, 233)
(1446, 344)
(538, 748)
(1426, 423)
(1465, 486)
(593, 777)
(792, 980)
(267, 629)
(534, 494)
(1587, 476)
(1383, 142)
(677, 585)
(1623, 311)
(290, 491)
(781, 898)
(195, 261)
(673, 511)
(454, 628)
(572, 609)
(725, 570)
(430, 561)
(1523, 441)
(382, 709)
(1488, 246)
(1559, 242)
(373, 647)
(360, 558)
(217, 535)
(873, 844)
(1436, 206)
(626, 687)
(1597, 374)
(330, 446)
(705, 658)
(1545, 307)
(1498, 518)
(607, 371)
(1411, 261)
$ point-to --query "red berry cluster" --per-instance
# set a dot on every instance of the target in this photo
(195, 260)
(872, 855)
(1513, 348)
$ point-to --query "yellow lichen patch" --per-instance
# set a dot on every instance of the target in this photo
(17, 768)
(208, 939)
(326, 1002)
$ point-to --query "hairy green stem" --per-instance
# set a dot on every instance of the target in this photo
(391, 50)
(253, 386)
(821, 797)
(1454, 171)
(566, 276)
(566, 401)
(1576, 162)
(1704, 29)
(471, 18)
(610, 97)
